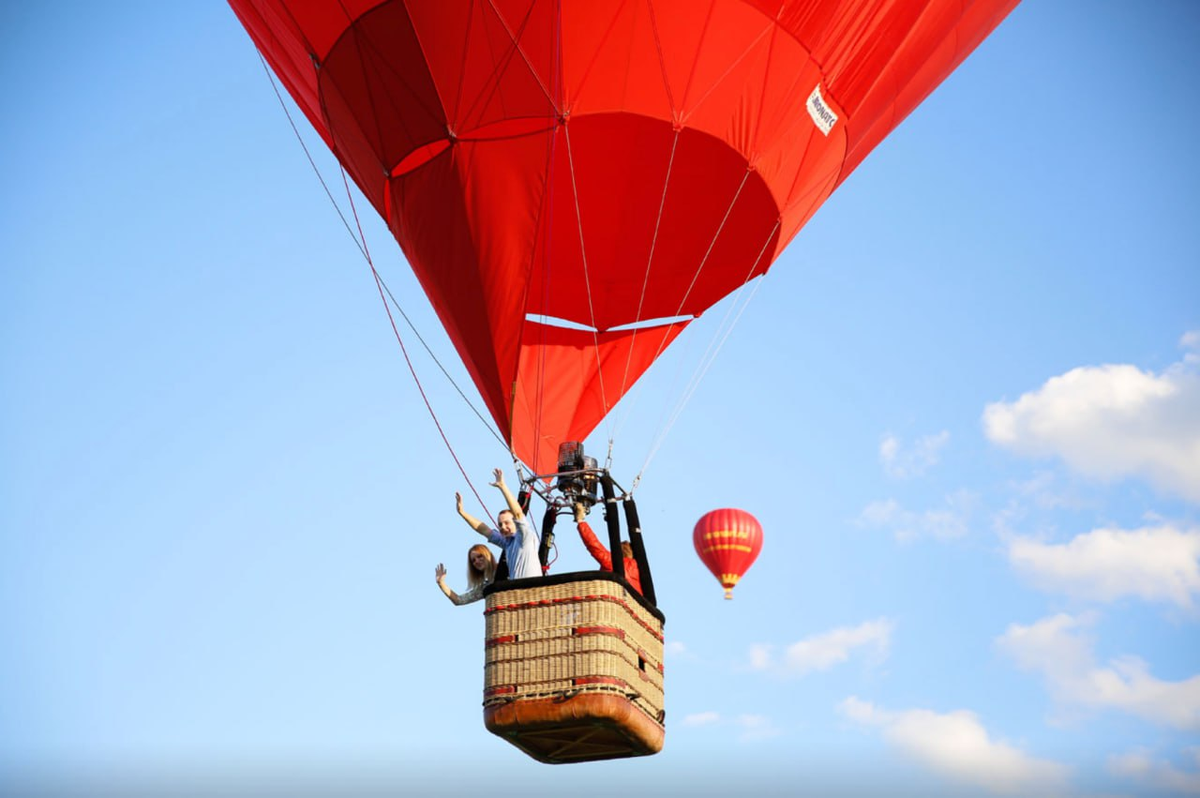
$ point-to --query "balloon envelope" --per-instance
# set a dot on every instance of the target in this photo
(575, 182)
(728, 541)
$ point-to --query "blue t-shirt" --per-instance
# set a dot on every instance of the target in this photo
(521, 548)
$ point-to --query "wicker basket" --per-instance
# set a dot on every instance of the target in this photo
(573, 668)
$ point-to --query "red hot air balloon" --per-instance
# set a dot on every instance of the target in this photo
(728, 542)
(573, 183)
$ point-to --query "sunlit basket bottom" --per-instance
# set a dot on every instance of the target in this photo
(577, 729)
(573, 669)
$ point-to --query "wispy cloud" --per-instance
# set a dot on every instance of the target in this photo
(675, 648)
(1158, 563)
(756, 727)
(701, 719)
(1157, 773)
(1190, 342)
(906, 462)
(761, 656)
(945, 523)
(1056, 648)
(958, 747)
(748, 727)
(1113, 421)
(823, 651)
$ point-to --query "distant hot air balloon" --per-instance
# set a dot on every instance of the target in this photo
(728, 542)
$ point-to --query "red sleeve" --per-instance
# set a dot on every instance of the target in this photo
(594, 547)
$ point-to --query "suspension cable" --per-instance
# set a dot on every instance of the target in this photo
(586, 277)
(636, 393)
(710, 355)
(384, 291)
(404, 350)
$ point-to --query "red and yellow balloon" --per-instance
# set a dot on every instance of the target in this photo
(728, 542)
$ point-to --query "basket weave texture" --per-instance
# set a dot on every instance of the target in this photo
(586, 636)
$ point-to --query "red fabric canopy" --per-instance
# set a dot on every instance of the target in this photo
(599, 162)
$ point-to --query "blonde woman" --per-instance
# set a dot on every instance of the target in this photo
(481, 570)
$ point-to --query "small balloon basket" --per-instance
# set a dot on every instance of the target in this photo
(573, 668)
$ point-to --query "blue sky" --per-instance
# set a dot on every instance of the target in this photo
(965, 406)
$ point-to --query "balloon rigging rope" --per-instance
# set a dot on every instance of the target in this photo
(662, 202)
(586, 277)
(631, 404)
(771, 27)
(724, 330)
(714, 346)
(663, 429)
(711, 244)
(308, 155)
(360, 242)
(442, 368)
(515, 38)
(362, 250)
(636, 394)
(404, 350)
(625, 414)
(547, 207)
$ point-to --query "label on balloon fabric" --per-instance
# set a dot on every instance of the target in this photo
(822, 115)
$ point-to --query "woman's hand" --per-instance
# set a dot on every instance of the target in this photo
(458, 502)
(440, 572)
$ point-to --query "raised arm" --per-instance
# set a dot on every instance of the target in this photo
(471, 520)
(473, 595)
(590, 542)
(440, 573)
(513, 504)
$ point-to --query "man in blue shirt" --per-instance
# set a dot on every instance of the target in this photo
(515, 536)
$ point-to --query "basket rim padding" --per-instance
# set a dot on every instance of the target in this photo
(574, 576)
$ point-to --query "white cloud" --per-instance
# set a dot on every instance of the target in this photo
(882, 513)
(757, 727)
(1046, 490)
(904, 463)
(821, 652)
(1191, 342)
(675, 648)
(957, 746)
(946, 523)
(1112, 421)
(749, 726)
(1054, 647)
(1157, 773)
(701, 719)
(760, 656)
(1159, 563)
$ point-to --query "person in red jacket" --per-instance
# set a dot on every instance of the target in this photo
(597, 550)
